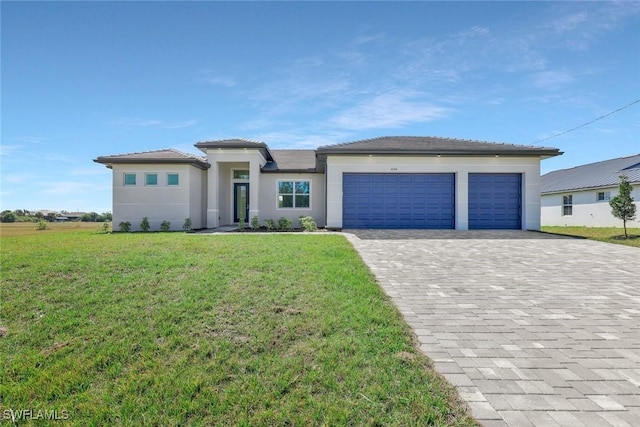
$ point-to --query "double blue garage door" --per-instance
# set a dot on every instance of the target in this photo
(427, 201)
(388, 200)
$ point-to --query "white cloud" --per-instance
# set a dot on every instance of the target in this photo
(359, 51)
(551, 79)
(56, 157)
(495, 101)
(9, 150)
(26, 139)
(472, 33)
(65, 188)
(569, 22)
(580, 23)
(180, 125)
(299, 139)
(136, 122)
(19, 178)
(89, 171)
(390, 110)
(215, 78)
(221, 81)
(299, 92)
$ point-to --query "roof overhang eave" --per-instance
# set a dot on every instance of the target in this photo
(544, 154)
(567, 190)
(110, 162)
(301, 170)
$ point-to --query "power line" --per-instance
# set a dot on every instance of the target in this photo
(588, 123)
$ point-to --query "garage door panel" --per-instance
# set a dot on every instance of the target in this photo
(398, 201)
(495, 201)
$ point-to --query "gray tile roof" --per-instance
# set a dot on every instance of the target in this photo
(434, 145)
(292, 161)
(165, 156)
(594, 175)
(236, 143)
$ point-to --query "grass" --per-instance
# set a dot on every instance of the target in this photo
(182, 329)
(21, 229)
(603, 234)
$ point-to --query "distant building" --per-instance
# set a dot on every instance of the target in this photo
(74, 216)
(580, 195)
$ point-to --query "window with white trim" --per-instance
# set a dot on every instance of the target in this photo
(603, 196)
(150, 179)
(294, 194)
(567, 205)
(129, 179)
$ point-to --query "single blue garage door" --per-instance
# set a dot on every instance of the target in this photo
(495, 201)
(387, 200)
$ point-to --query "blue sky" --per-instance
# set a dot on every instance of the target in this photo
(84, 79)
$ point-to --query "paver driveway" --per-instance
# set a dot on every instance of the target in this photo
(533, 329)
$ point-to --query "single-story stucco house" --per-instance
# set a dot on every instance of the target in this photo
(580, 195)
(386, 182)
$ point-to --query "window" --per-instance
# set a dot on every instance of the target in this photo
(567, 205)
(240, 174)
(603, 196)
(294, 194)
(151, 179)
(129, 179)
(173, 179)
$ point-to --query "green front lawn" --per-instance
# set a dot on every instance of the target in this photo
(603, 234)
(182, 329)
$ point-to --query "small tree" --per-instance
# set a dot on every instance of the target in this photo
(125, 226)
(144, 225)
(622, 206)
(7, 216)
(89, 217)
(270, 224)
(284, 224)
(308, 223)
(255, 223)
(187, 224)
(165, 226)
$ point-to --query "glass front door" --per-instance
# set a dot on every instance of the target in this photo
(241, 201)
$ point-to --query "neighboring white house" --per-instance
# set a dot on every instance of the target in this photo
(386, 182)
(580, 195)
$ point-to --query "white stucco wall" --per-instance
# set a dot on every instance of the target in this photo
(269, 198)
(587, 210)
(159, 202)
(529, 167)
(197, 198)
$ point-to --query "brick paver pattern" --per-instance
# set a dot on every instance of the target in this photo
(532, 329)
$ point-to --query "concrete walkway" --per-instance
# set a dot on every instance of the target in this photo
(532, 329)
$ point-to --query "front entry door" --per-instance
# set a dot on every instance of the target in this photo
(241, 201)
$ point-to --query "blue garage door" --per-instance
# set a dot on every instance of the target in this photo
(398, 200)
(495, 201)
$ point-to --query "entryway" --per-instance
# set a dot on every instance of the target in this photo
(240, 201)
